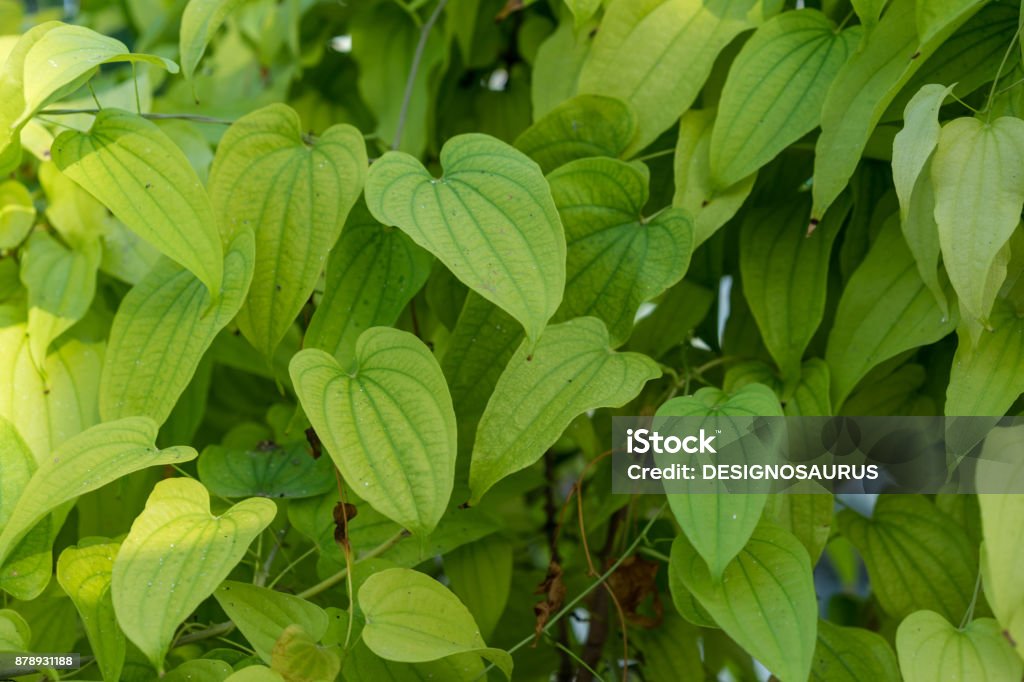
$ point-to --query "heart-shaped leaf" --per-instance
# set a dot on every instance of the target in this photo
(764, 600)
(162, 329)
(1002, 517)
(387, 422)
(295, 198)
(490, 219)
(584, 126)
(617, 259)
(916, 556)
(17, 213)
(84, 574)
(298, 658)
(372, 273)
(199, 23)
(265, 470)
(571, 370)
(263, 615)
(719, 525)
(852, 655)
(412, 618)
(931, 649)
(173, 558)
(134, 169)
(84, 463)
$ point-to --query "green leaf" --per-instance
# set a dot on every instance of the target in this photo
(162, 329)
(584, 126)
(490, 219)
(255, 673)
(671, 47)
(764, 600)
(582, 10)
(557, 66)
(916, 557)
(15, 634)
(86, 462)
(199, 23)
(571, 370)
(17, 213)
(719, 525)
(807, 516)
(483, 341)
(617, 258)
(772, 97)
(295, 198)
(173, 558)
(930, 649)
(84, 574)
(387, 421)
(885, 309)
(914, 144)
(710, 207)
(61, 283)
(199, 670)
(978, 201)
(785, 275)
(265, 470)
(136, 171)
(979, 383)
(867, 83)
(298, 658)
(1002, 517)
(869, 11)
(670, 650)
(49, 62)
(480, 574)
(852, 655)
(412, 618)
(372, 274)
(263, 615)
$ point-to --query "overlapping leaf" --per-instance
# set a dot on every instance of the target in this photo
(765, 599)
(570, 370)
(617, 258)
(263, 615)
(845, 654)
(387, 421)
(84, 574)
(136, 171)
(773, 95)
(164, 326)
(490, 219)
(295, 198)
(930, 648)
(410, 617)
(173, 558)
(372, 274)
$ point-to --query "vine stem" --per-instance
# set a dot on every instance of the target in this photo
(220, 629)
(417, 57)
(590, 588)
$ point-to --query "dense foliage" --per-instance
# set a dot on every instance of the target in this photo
(314, 317)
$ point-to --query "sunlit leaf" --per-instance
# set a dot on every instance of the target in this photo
(262, 615)
(930, 648)
(84, 573)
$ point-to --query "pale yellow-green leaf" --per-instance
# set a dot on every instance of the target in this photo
(84, 463)
(262, 614)
(412, 618)
(15, 634)
(136, 171)
(17, 213)
(987, 374)
(387, 421)
(930, 649)
(295, 197)
(162, 329)
(61, 283)
(173, 558)
(199, 23)
(84, 574)
(978, 177)
(710, 207)
(570, 370)
(1002, 517)
(489, 218)
(298, 658)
